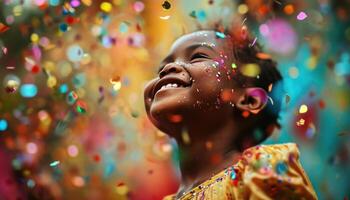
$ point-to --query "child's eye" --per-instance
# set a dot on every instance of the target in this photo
(199, 55)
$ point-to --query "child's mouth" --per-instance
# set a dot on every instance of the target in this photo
(170, 83)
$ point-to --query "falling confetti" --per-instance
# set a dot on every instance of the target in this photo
(3, 28)
(54, 163)
(301, 16)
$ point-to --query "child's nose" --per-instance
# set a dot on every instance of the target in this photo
(171, 68)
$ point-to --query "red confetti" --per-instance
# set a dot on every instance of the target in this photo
(3, 28)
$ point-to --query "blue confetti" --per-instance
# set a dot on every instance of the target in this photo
(28, 90)
(63, 88)
(3, 124)
(281, 168)
(220, 35)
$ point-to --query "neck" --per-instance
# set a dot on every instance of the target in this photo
(208, 152)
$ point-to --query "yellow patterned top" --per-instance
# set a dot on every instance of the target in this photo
(263, 172)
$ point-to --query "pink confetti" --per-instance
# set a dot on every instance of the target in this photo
(4, 49)
(301, 16)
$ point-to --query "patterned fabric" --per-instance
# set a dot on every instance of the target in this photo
(263, 172)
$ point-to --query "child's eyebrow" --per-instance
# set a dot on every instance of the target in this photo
(187, 50)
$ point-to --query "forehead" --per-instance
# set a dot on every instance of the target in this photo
(200, 37)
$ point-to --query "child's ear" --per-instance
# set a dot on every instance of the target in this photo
(252, 99)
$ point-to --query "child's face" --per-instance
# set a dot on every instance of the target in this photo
(199, 64)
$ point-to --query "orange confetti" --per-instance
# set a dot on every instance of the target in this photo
(263, 56)
(245, 114)
(289, 9)
(3, 28)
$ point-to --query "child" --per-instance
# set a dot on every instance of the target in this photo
(216, 95)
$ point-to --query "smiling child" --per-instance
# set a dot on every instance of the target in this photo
(218, 95)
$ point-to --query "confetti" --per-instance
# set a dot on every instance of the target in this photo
(75, 53)
(3, 28)
(301, 16)
(28, 90)
(106, 7)
(166, 5)
(54, 163)
(139, 6)
(185, 137)
(250, 70)
(3, 124)
(220, 35)
(303, 109)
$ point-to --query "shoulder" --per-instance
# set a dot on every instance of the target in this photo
(274, 171)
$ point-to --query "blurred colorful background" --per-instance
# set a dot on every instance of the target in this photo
(72, 119)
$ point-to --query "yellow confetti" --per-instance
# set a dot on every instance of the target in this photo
(251, 70)
(185, 137)
(243, 9)
(303, 109)
(51, 81)
(34, 37)
(87, 2)
(106, 6)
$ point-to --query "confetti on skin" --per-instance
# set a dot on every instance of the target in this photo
(303, 109)
(234, 66)
(166, 5)
(3, 28)
(301, 16)
(3, 125)
(164, 17)
(54, 163)
(220, 35)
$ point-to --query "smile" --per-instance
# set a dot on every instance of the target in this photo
(170, 83)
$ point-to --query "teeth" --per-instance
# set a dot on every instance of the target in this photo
(170, 85)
